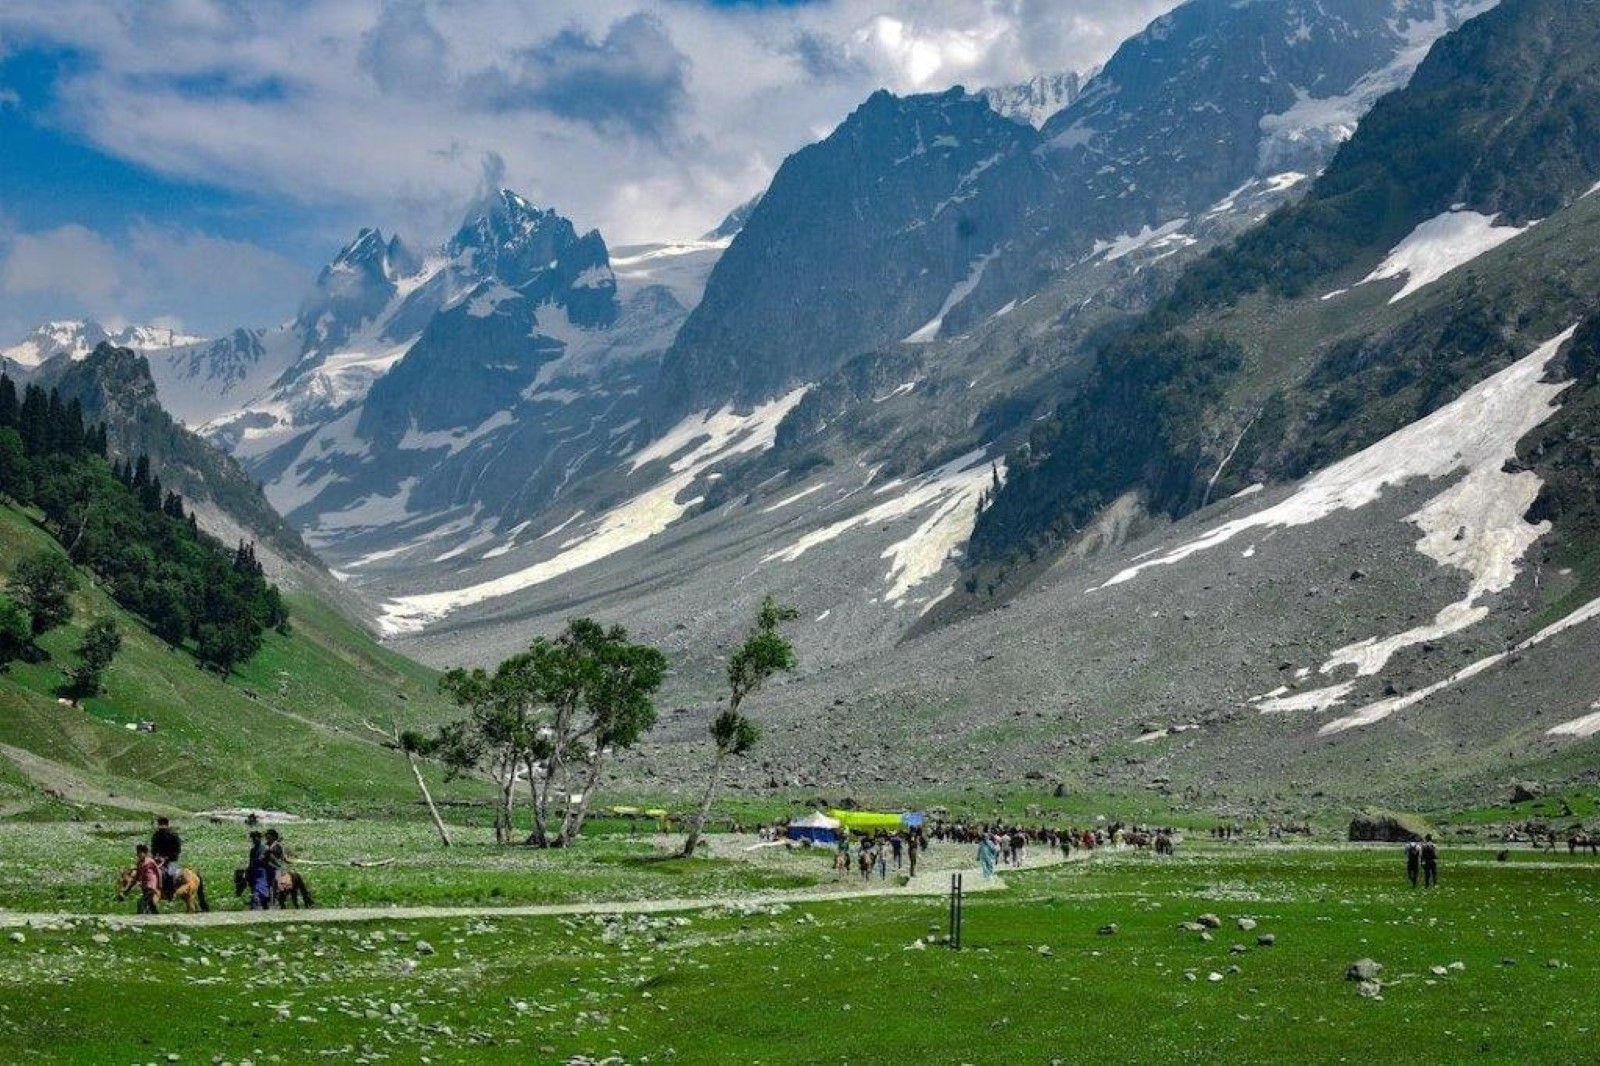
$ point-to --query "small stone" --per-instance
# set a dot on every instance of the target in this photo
(1213, 977)
(1508, 961)
(1235, 969)
(1210, 921)
(1189, 975)
(424, 948)
(1266, 940)
(1238, 949)
(18, 938)
(1438, 971)
(1247, 924)
(1044, 949)
(1370, 989)
(1458, 966)
(100, 938)
(1190, 927)
(1553, 964)
(1207, 937)
(1363, 970)
(1109, 929)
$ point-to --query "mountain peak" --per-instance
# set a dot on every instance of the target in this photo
(77, 338)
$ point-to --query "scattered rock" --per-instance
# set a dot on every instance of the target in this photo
(1210, 921)
(1247, 924)
(1238, 949)
(1109, 929)
(1190, 927)
(1523, 791)
(18, 938)
(1553, 964)
(1508, 961)
(1438, 971)
(1266, 940)
(424, 948)
(1370, 989)
(1363, 970)
(1213, 977)
(100, 938)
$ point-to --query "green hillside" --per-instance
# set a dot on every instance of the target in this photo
(284, 732)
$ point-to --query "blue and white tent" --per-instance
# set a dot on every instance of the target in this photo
(815, 827)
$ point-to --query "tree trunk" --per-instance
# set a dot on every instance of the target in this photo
(539, 799)
(508, 784)
(705, 806)
(573, 823)
(427, 797)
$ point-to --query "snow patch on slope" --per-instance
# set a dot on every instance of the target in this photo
(1439, 246)
(950, 493)
(1376, 712)
(929, 330)
(721, 435)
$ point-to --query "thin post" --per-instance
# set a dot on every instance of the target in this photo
(955, 912)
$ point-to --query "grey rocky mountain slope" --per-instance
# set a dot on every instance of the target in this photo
(1412, 620)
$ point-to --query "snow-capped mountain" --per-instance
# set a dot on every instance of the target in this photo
(77, 338)
(1034, 101)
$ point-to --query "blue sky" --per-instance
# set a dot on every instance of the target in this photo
(194, 162)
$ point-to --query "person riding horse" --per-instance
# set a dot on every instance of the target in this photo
(166, 846)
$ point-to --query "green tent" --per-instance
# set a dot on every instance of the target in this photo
(869, 821)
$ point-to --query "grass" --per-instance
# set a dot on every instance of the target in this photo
(842, 982)
(71, 868)
(285, 732)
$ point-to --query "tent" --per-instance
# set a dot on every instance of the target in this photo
(815, 827)
(869, 822)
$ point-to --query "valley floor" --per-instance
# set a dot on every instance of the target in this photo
(1498, 964)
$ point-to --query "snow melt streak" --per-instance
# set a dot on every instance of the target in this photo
(715, 437)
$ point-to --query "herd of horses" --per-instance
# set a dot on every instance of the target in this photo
(189, 891)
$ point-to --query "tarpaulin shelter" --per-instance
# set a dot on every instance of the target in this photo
(868, 822)
(815, 827)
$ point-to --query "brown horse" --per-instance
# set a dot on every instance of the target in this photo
(190, 889)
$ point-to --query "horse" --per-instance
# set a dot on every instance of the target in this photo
(190, 889)
(287, 887)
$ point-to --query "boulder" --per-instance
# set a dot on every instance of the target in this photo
(1523, 791)
(1387, 827)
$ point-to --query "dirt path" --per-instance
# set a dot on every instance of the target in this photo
(930, 883)
(64, 782)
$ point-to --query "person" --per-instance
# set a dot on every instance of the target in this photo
(147, 875)
(277, 860)
(897, 845)
(1430, 862)
(1413, 861)
(256, 873)
(882, 861)
(987, 853)
(166, 846)
(841, 858)
(911, 855)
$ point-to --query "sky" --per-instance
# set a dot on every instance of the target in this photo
(194, 162)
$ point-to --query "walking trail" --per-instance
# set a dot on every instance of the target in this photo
(934, 882)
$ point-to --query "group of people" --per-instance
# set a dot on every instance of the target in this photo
(157, 871)
(1422, 856)
(873, 854)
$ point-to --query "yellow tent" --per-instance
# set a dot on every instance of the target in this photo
(868, 821)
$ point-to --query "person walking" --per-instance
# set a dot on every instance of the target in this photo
(1413, 861)
(147, 875)
(987, 853)
(897, 845)
(1430, 862)
(256, 875)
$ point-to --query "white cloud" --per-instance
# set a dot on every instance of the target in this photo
(364, 107)
(646, 118)
(142, 275)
